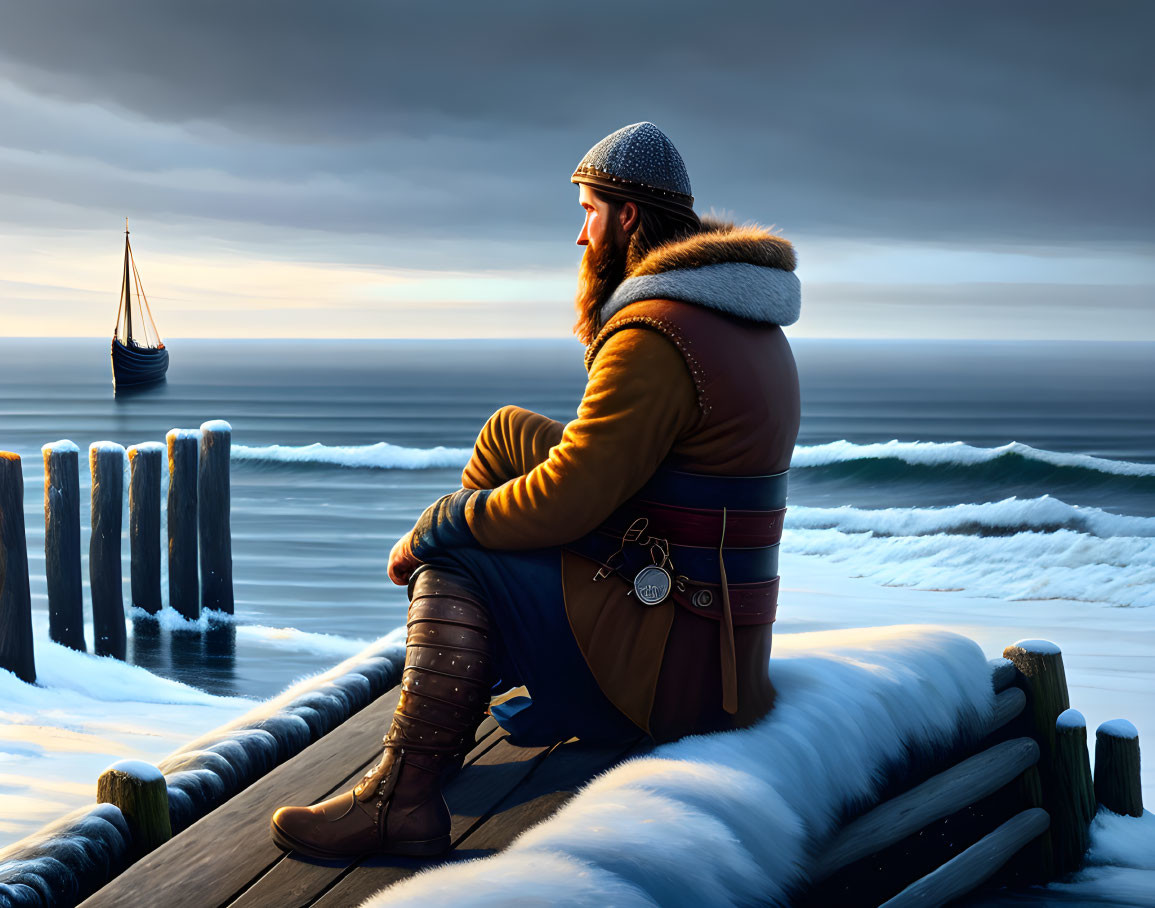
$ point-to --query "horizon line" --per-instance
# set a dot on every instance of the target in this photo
(554, 337)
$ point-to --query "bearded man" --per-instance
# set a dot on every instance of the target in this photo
(623, 567)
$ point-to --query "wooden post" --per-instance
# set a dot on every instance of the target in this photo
(1041, 663)
(183, 594)
(213, 506)
(144, 524)
(140, 791)
(16, 653)
(62, 543)
(1074, 804)
(1117, 785)
(106, 460)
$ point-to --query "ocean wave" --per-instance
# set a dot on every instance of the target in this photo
(379, 456)
(1065, 564)
(385, 456)
(958, 454)
(1011, 515)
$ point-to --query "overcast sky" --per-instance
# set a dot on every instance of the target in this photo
(378, 169)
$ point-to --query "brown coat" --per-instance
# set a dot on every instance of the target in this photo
(670, 382)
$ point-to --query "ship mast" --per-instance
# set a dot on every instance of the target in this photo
(127, 291)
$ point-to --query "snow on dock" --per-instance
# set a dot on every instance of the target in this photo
(897, 762)
(731, 817)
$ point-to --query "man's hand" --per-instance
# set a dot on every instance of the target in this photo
(402, 561)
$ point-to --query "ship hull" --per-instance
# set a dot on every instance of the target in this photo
(133, 365)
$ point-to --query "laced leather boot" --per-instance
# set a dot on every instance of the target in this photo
(398, 807)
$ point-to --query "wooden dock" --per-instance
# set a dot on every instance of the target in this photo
(1008, 805)
(228, 857)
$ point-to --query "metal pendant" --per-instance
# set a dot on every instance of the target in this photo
(652, 584)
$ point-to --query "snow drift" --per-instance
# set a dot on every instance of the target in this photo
(736, 817)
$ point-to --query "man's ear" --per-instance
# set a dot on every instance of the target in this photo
(628, 217)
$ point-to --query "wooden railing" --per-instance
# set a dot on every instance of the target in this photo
(1012, 808)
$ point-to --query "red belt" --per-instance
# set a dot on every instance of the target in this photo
(750, 603)
(702, 526)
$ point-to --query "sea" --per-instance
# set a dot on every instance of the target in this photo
(1022, 471)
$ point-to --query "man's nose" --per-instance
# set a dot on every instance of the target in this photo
(584, 237)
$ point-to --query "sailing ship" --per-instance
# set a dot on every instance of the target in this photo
(136, 359)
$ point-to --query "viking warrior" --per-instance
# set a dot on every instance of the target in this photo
(623, 566)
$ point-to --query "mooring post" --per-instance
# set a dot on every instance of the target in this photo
(62, 543)
(16, 653)
(1073, 811)
(140, 791)
(144, 462)
(213, 506)
(182, 522)
(106, 460)
(1117, 782)
(1040, 663)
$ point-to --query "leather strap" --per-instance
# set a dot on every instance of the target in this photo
(726, 635)
(707, 490)
(702, 526)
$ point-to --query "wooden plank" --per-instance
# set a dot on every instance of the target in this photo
(951, 790)
(223, 851)
(1008, 705)
(472, 796)
(973, 867)
(552, 784)
(295, 880)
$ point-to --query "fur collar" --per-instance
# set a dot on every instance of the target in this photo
(743, 271)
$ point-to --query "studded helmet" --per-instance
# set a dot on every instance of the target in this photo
(640, 163)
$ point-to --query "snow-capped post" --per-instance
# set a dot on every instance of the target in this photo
(1074, 809)
(1117, 783)
(213, 505)
(144, 523)
(16, 653)
(183, 593)
(140, 791)
(106, 461)
(62, 543)
(1040, 662)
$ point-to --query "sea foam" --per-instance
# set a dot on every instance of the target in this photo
(385, 456)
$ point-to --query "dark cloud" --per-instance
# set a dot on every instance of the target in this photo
(985, 122)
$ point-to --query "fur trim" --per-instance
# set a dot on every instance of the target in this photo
(743, 271)
(718, 242)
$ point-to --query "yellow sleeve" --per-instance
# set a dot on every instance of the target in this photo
(512, 442)
(638, 401)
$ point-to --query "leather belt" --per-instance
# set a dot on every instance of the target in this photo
(702, 526)
(750, 603)
(705, 490)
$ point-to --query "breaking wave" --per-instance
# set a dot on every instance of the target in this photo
(1117, 571)
(379, 456)
(950, 455)
(1015, 549)
(997, 518)
(1012, 458)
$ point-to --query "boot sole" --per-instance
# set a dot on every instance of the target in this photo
(419, 848)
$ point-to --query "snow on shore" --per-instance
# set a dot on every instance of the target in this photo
(87, 712)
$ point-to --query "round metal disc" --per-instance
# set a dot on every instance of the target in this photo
(652, 584)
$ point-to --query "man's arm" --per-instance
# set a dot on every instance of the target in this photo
(511, 443)
(639, 400)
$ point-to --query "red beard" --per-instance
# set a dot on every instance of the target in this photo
(599, 274)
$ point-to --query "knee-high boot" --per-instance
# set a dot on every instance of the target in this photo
(398, 808)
